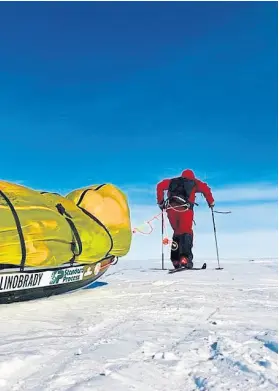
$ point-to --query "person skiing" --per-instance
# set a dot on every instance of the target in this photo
(179, 205)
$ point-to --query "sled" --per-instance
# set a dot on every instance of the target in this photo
(52, 244)
(35, 283)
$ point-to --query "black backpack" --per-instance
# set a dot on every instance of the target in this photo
(181, 187)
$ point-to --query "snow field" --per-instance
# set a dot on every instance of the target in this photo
(146, 330)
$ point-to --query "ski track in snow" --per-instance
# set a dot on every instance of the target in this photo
(147, 330)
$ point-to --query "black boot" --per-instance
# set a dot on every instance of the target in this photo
(189, 265)
(176, 264)
(185, 248)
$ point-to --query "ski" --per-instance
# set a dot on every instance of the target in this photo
(184, 268)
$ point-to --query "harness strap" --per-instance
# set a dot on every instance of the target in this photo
(180, 201)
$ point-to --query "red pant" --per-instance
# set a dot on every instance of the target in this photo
(181, 221)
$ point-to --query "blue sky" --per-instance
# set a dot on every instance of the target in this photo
(131, 92)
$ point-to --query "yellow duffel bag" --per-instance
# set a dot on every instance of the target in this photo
(31, 232)
(91, 241)
(109, 206)
(41, 229)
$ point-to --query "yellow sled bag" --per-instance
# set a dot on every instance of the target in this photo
(47, 230)
(108, 206)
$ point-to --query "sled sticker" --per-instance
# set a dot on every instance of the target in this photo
(29, 280)
(16, 281)
(87, 272)
(97, 268)
(64, 276)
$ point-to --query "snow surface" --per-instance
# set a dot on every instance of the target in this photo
(143, 329)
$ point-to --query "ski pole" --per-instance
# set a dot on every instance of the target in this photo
(214, 227)
(162, 240)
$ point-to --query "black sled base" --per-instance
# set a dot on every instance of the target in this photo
(17, 286)
(184, 268)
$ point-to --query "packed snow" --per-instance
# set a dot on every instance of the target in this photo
(140, 328)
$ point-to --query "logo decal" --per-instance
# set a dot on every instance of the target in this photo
(97, 268)
(64, 276)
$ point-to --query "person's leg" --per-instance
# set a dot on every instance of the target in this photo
(185, 253)
(175, 254)
(186, 238)
(173, 217)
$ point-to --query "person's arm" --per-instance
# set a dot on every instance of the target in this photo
(203, 188)
(161, 187)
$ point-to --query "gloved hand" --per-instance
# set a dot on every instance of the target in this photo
(211, 206)
(161, 204)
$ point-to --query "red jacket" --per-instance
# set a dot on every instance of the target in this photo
(201, 187)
